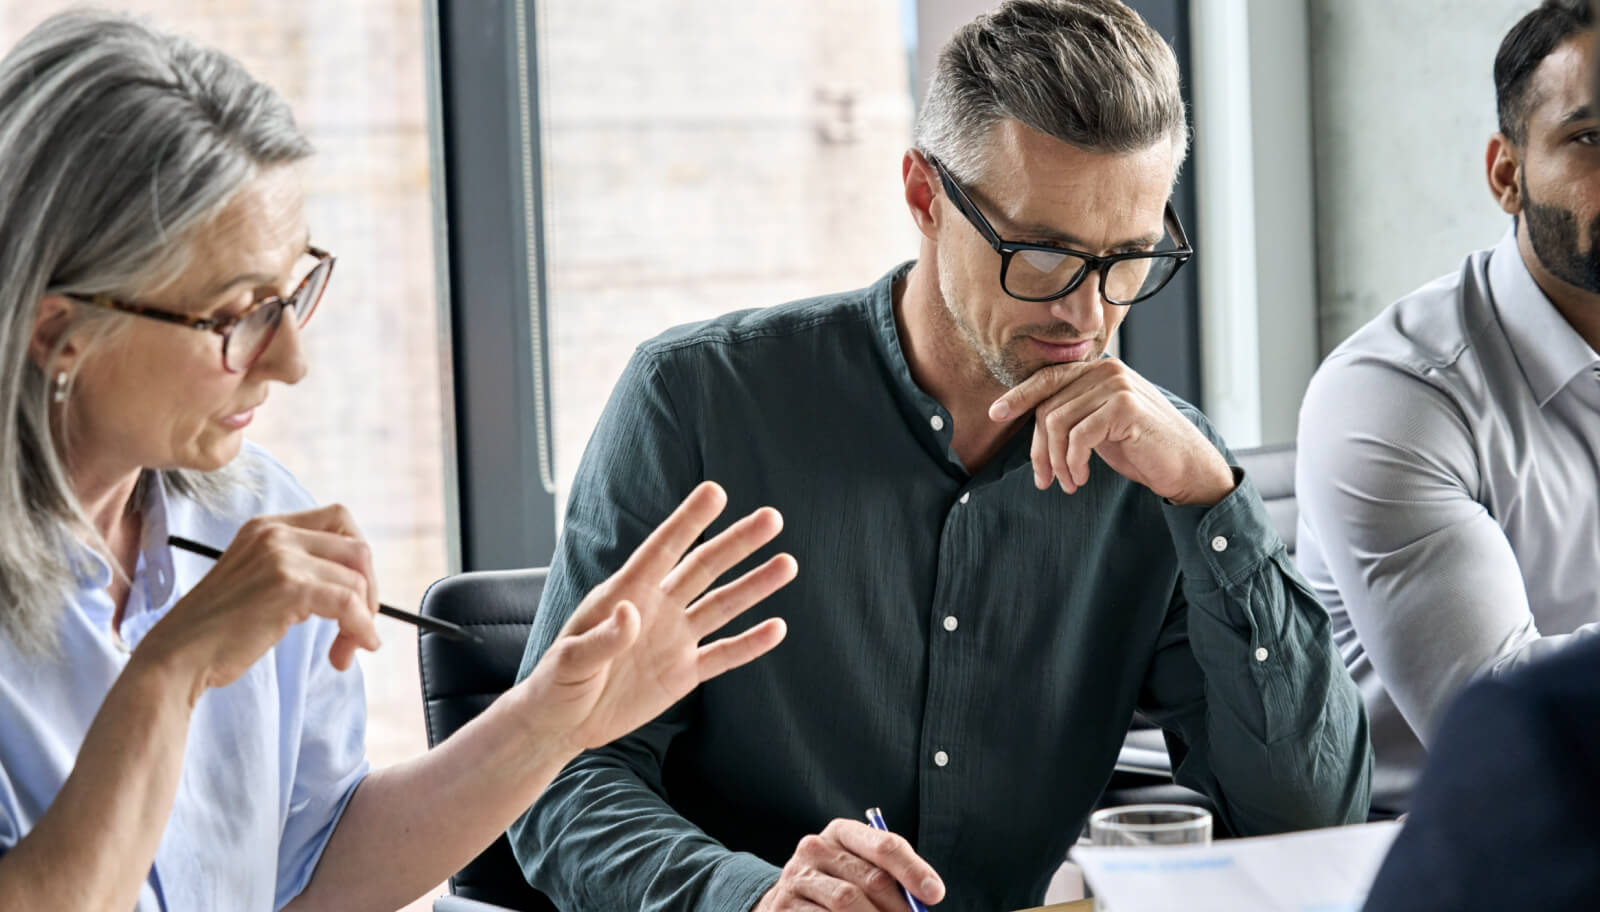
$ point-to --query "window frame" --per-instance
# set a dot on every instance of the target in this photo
(483, 95)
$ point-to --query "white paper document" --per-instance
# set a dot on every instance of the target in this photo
(1316, 871)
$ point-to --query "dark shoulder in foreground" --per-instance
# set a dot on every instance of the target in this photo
(1500, 817)
(1570, 678)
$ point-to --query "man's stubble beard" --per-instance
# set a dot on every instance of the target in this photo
(1553, 234)
(1005, 366)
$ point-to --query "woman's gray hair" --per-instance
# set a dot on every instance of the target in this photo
(117, 143)
(1087, 72)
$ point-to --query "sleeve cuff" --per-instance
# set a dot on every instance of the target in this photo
(742, 879)
(1220, 545)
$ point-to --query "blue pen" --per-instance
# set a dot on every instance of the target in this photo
(875, 817)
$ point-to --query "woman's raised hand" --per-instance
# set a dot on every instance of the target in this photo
(632, 648)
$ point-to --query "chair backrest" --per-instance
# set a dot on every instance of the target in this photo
(1272, 470)
(460, 679)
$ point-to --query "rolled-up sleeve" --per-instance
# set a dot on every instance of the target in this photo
(1387, 481)
(1247, 678)
(324, 713)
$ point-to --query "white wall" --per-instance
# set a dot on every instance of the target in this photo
(1255, 192)
(1404, 105)
(1340, 145)
(937, 20)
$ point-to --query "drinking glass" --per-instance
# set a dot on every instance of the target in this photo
(1149, 825)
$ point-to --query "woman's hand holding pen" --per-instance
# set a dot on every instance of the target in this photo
(279, 571)
(851, 867)
(632, 648)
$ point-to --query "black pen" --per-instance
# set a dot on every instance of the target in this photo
(443, 628)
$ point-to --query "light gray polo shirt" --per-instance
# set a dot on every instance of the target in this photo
(1449, 487)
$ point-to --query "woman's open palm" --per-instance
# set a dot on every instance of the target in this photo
(632, 649)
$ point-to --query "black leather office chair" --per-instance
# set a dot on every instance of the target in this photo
(458, 681)
(1272, 470)
(1144, 770)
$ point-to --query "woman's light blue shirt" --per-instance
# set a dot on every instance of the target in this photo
(271, 758)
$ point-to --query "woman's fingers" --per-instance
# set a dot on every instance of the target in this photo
(331, 591)
(342, 652)
(307, 570)
(719, 555)
(731, 652)
(582, 655)
(342, 549)
(640, 576)
(326, 533)
(725, 603)
(662, 550)
(332, 517)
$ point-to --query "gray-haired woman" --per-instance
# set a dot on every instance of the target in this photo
(178, 735)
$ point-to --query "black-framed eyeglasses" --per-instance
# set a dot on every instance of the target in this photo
(1037, 272)
(246, 334)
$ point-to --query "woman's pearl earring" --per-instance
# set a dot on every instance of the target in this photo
(61, 387)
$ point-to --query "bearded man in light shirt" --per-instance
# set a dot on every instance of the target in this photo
(1449, 451)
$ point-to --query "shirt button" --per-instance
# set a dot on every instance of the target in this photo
(1219, 544)
(937, 422)
(966, 497)
(940, 758)
(950, 623)
(1261, 653)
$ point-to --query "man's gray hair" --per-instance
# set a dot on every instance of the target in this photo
(1091, 73)
(117, 143)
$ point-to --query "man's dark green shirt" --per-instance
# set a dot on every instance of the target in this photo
(964, 651)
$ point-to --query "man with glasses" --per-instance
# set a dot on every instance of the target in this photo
(1013, 541)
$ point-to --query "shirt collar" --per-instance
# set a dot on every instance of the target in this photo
(89, 568)
(153, 548)
(921, 408)
(880, 301)
(93, 571)
(1549, 351)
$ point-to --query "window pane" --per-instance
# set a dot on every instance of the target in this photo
(708, 157)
